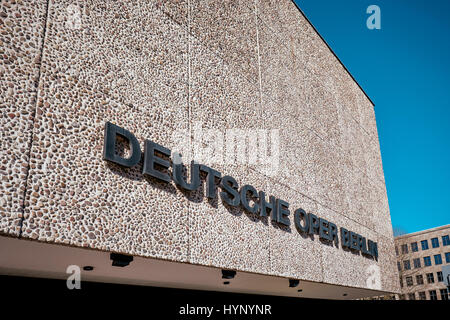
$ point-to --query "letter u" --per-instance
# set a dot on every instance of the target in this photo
(179, 179)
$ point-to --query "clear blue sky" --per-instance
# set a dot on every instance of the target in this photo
(404, 68)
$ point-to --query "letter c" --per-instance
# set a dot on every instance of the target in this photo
(244, 198)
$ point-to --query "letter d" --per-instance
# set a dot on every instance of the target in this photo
(109, 146)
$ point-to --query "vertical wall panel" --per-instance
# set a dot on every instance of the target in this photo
(21, 37)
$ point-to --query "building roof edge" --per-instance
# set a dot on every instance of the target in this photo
(314, 28)
(422, 232)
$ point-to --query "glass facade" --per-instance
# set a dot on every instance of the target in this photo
(437, 259)
(435, 242)
(424, 244)
(445, 240)
(409, 281)
(407, 265)
(444, 294)
(404, 248)
(433, 295)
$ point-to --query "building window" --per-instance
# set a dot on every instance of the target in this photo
(419, 279)
(437, 259)
(414, 247)
(417, 263)
(427, 261)
(399, 266)
(447, 257)
(435, 242)
(445, 240)
(422, 295)
(409, 281)
(444, 294)
(433, 295)
(440, 276)
(407, 265)
(401, 282)
(396, 250)
(411, 296)
(404, 248)
(430, 278)
(424, 244)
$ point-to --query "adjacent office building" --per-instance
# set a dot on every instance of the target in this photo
(213, 145)
(420, 258)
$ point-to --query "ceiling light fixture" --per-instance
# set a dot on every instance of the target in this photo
(293, 283)
(228, 274)
(120, 260)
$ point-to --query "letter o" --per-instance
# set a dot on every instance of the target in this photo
(300, 215)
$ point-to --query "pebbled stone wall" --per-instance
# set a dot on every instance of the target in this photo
(22, 25)
(161, 67)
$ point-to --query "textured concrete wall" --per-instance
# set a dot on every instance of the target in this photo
(21, 36)
(156, 67)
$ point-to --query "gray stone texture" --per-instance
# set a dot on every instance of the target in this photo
(21, 36)
(126, 64)
(159, 67)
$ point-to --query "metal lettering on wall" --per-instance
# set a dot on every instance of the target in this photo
(156, 166)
